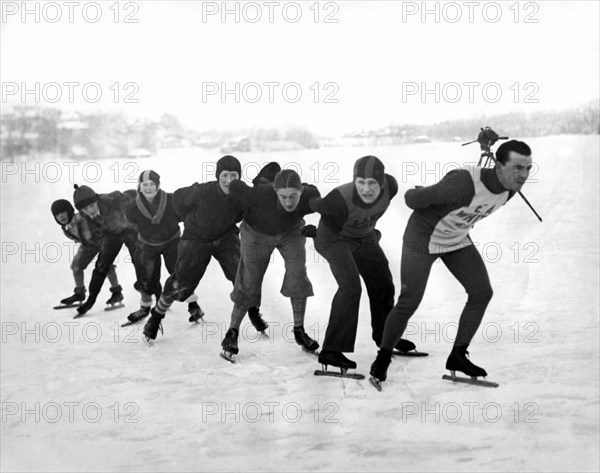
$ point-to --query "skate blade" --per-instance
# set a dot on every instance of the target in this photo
(412, 353)
(474, 382)
(148, 341)
(339, 375)
(68, 306)
(375, 382)
(129, 323)
(226, 355)
(114, 307)
(314, 352)
(78, 316)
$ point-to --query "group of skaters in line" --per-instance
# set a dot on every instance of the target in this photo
(271, 212)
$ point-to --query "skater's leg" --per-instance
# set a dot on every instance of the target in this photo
(81, 260)
(343, 318)
(112, 277)
(468, 267)
(292, 247)
(374, 268)
(192, 261)
(415, 268)
(110, 247)
(227, 253)
(256, 250)
(299, 310)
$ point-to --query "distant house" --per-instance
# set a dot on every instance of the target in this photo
(421, 139)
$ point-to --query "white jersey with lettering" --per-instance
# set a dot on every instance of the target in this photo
(452, 231)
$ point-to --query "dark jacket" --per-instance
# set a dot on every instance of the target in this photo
(157, 222)
(265, 213)
(112, 218)
(207, 212)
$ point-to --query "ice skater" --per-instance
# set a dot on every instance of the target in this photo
(348, 240)
(76, 228)
(106, 213)
(153, 213)
(273, 219)
(439, 228)
(210, 219)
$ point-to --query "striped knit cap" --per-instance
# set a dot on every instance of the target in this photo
(149, 175)
(370, 167)
(286, 179)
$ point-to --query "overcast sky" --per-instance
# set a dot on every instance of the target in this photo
(370, 65)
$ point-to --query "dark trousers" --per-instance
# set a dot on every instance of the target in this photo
(109, 250)
(149, 264)
(81, 260)
(350, 259)
(468, 268)
(192, 260)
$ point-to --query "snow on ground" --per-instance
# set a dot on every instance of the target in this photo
(87, 395)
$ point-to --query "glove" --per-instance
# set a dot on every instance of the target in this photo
(267, 174)
(309, 231)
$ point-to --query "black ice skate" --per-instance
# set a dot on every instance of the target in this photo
(379, 368)
(336, 358)
(196, 313)
(136, 316)
(302, 339)
(152, 326)
(115, 300)
(407, 348)
(458, 361)
(230, 345)
(73, 301)
(257, 321)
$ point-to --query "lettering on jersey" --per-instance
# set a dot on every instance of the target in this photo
(366, 222)
(470, 218)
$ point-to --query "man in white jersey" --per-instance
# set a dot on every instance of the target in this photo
(439, 228)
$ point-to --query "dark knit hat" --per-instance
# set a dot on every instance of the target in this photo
(228, 163)
(370, 167)
(149, 175)
(267, 174)
(62, 205)
(287, 178)
(83, 196)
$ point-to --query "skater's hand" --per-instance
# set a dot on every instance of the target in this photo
(309, 231)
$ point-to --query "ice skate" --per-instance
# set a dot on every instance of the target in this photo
(257, 321)
(379, 368)
(459, 361)
(196, 313)
(336, 358)
(407, 348)
(230, 345)
(115, 301)
(136, 316)
(302, 339)
(152, 326)
(73, 301)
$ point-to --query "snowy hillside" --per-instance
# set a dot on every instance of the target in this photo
(87, 395)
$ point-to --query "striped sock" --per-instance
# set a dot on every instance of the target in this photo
(237, 316)
(298, 308)
(162, 306)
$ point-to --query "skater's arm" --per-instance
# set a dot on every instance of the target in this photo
(310, 194)
(185, 199)
(333, 206)
(249, 196)
(456, 187)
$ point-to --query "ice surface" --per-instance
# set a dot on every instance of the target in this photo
(179, 407)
